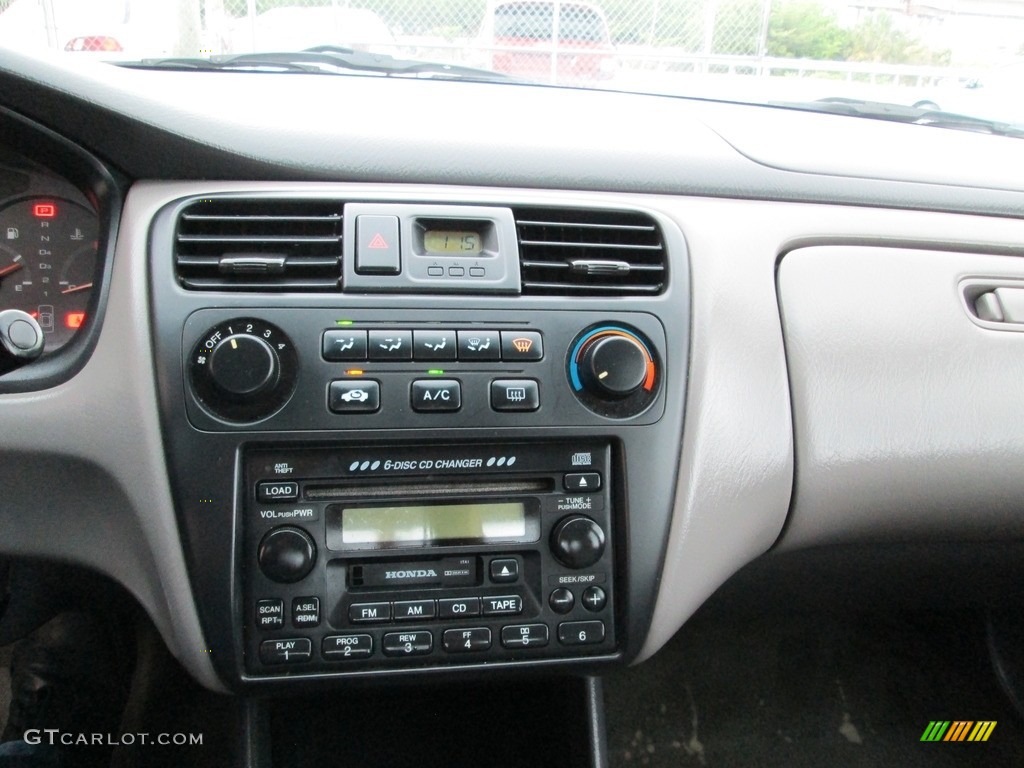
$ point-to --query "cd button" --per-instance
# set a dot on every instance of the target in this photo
(467, 640)
(455, 608)
(504, 605)
(268, 492)
(408, 643)
(525, 636)
(414, 609)
(436, 395)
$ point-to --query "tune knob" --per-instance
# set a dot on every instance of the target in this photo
(286, 554)
(243, 366)
(577, 541)
(243, 370)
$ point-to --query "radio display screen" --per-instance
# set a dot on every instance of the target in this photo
(434, 524)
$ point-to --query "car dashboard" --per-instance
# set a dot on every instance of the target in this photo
(363, 389)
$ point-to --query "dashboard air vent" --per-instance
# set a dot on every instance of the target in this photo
(259, 245)
(576, 252)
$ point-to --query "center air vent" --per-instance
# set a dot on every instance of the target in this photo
(589, 253)
(259, 245)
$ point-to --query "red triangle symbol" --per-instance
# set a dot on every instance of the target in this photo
(378, 241)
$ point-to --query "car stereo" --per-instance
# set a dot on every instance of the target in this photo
(385, 557)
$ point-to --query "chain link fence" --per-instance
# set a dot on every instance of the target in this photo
(519, 33)
(550, 40)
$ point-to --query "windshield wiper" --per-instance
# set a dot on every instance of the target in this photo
(898, 113)
(323, 59)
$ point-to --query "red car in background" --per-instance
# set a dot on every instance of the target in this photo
(527, 39)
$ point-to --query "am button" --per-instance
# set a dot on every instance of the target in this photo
(436, 395)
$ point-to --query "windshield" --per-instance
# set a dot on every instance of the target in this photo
(963, 57)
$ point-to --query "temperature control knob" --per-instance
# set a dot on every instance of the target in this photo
(613, 371)
(614, 366)
(577, 541)
(286, 554)
(243, 370)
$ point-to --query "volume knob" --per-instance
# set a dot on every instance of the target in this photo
(286, 554)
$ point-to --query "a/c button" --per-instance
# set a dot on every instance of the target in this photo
(436, 395)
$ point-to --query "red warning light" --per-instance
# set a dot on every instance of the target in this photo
(378, 241)
(74, 320)
(44, 210)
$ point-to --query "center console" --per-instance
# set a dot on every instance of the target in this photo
(405, 439)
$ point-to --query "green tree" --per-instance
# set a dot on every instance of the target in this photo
(877, 38)
(805, 30)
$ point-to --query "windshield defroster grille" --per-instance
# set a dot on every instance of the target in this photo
(589, 253)
(259, 245)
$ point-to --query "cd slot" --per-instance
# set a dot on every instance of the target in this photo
(449, 487)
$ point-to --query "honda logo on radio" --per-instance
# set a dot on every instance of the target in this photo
(423, 573)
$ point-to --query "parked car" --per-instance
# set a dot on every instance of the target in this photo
(526, 38)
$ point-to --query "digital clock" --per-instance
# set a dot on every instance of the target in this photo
(452, 241)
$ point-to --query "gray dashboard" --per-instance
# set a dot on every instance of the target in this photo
(828, 383)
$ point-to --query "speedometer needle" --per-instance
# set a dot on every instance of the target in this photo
(10, 268)
(75, 288)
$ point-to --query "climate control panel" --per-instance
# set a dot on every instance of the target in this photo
(316, 369)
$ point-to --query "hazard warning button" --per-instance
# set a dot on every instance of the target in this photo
(377, 251)
(582, 482)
